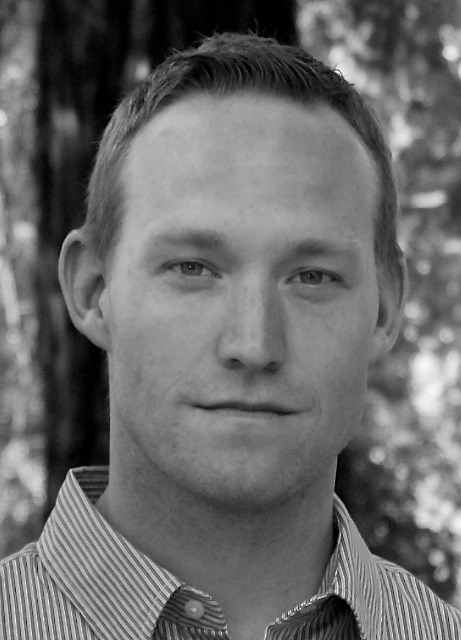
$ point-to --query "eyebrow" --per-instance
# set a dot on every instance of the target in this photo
(319, 247)
(212, 240)
(200, 239)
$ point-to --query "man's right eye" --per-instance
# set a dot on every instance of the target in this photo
(190, 268)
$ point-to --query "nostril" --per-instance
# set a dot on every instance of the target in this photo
(273, 366)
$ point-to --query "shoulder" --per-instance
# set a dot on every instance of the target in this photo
(18, 573)
(15, 564)
(412, 609)
(27, 597)
(33, 606)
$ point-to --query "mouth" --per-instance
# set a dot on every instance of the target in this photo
(250, 409)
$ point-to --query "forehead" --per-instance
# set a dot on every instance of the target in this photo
(233, 149)
(205, 127)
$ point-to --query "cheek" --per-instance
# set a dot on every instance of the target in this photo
(337, 362)
(349, 350)
(156, 347)
(337, 337)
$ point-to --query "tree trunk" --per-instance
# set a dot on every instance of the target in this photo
(88, 52)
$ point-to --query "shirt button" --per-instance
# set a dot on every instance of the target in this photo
(194, 609)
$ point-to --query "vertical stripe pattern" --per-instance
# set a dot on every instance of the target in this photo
(82, 580)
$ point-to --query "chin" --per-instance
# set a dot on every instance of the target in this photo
(241, 493)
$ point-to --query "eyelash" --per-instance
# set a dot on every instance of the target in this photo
(173, 266)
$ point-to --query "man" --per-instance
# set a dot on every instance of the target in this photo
(240, 267)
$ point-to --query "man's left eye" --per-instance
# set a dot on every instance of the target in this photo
(314, 277)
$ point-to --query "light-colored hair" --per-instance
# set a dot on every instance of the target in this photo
(222, 65)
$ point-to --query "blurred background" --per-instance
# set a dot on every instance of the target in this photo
(63, 66)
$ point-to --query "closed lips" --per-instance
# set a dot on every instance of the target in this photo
(242, 406)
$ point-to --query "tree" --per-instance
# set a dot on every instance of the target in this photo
(89, 53)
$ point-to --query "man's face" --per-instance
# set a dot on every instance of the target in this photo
(243, 298)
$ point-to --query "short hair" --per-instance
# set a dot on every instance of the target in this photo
(222, 65)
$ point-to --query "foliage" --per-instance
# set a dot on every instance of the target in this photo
(21, 443)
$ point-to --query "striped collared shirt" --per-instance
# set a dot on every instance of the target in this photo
(82, 580)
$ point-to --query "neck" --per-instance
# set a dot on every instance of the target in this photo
(256, 565)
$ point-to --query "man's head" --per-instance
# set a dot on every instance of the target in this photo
(224, 65)
(243, 299)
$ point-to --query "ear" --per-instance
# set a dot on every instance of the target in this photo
(81, 275)
(393, 292)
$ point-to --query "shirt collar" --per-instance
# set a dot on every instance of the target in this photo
(117, 588)
(356, 578)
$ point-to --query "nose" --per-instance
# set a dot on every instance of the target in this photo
(252, 334)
